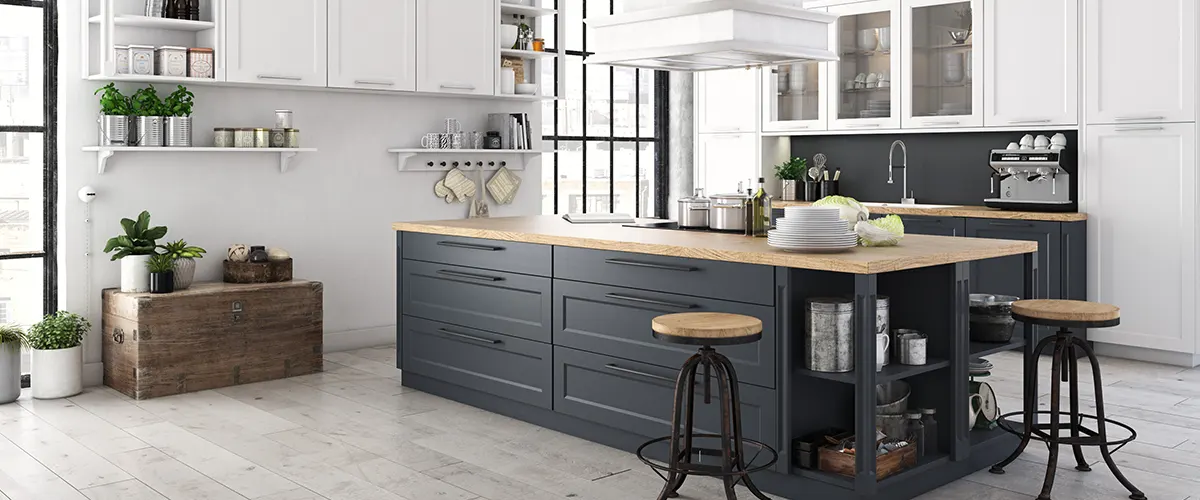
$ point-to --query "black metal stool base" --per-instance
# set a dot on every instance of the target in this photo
(1065, 344)
(680, 464)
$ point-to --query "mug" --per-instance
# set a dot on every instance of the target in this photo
(444, 140)
(431, 141)
(458, 140)
(882, 341)
(452, 125)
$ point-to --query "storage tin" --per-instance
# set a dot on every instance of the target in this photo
(114, 130)
(149, 131)
(170, 61)
(283, 118)
(200, 62)
(121, 56)
(178, 131)
(911, 347)
(292, 139)
(243, 138)
(278, 138)
(829, 335)
(141, 59)
(262, 137)
(223, 138)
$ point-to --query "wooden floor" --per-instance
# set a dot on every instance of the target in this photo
(354, 433)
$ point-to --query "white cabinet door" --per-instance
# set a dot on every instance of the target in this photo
(938, 82)
(373, 44)
(457, 47)
(724, 160)
(727, 101)
(1030, 62)
(867, 38)
(795, 98)
(1141, 61)
(276, 41)
(1141, 204)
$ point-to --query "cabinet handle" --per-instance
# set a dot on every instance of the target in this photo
(663, 303)
(458, 86)
(469, 246)
(1040, 120)
(387, 83)
(280, 77)
(863, 125)
(726, 129)
(943, 123)
(470, 276)
(1010, 224)
(651, 265)
(1140, 118)
(1138, 129)
(796, 127)
(651, 376)
(472, 338)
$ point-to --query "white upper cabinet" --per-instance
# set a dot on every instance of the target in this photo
(863, 86)
(1141, 61)
(456, 46)
(373, 44)
(276, 41)
(1030, 62)
(725, 160)
(727, 100)
(941, 60)
(795, 97)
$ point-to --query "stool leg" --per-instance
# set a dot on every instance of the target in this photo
(727, 458)
(1031, 397)
(1060, 350)
(1134, 492)
(737, 426)
(1076, 421)
(689, 423)
(674, 479)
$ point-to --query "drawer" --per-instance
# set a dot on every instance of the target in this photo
(616, 321)
(704, 278)
(638, 398)
(508, 303)
(525, 258)
(500, 365)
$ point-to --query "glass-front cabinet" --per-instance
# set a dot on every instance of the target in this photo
(940, 64)
(863, 93)
(794, 97)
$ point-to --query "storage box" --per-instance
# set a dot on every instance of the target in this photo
(210, 335)
(885, 465)
(171, 61)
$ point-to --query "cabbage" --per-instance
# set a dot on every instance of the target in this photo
(884, 232)
(852, 210)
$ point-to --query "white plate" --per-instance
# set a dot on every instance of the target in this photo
(805, 211)
(815, 250)
(824, 236)
(801, 243)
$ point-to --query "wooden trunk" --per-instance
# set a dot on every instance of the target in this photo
(211, 335)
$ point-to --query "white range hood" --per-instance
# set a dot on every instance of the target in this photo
(706, 35)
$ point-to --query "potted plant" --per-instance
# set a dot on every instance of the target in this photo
(114, 117)
(56, 369)
(185, 257)
(789, 172)
(149, 111)
(178, 107)
(134, 249)
(162, 273)
(11, 340)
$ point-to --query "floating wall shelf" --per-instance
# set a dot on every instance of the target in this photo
(508, 9)
(528, 54)
(106, 152)
(441, 160)
(161, 23)
(159, 79)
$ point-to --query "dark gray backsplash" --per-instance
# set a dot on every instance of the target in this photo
(944, 168)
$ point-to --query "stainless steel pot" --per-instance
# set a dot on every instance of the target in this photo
(693, 210)
(728, 212)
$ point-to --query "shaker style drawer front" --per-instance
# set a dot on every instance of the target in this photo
(935, 226)
(616, 321)
(497, 364)
(508, 256)
(512, 304)
(704, 278)
(639, 398)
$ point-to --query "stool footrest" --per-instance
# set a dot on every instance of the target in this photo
(754, 448)
(1038, 430)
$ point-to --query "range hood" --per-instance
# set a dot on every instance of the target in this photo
(706, 35)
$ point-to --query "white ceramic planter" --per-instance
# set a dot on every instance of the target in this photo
(135, 276)
(56, 373)
(185, 272)
(10, 373)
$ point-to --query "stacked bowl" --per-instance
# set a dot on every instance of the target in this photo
(812, 229)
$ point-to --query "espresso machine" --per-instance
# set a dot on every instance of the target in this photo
(1037, 180)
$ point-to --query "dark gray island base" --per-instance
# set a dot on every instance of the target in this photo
(541, 324)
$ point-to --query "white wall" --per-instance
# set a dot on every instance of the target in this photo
(332, 210)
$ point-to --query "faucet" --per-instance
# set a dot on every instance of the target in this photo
(905, 196)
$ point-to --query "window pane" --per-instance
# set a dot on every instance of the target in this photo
(20, 65)
(21, 291)
(598, 179)
(646, 152)
(574, 13)
(646, 98)
(570, 177)
(625, 185)
(624, 101)
(599, 92)
(21, 192)
(570, 109)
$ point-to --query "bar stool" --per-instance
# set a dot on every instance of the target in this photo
(707, 330)
(1066, 314)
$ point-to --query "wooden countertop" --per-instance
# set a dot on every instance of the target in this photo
(958, 211)
(915, 251)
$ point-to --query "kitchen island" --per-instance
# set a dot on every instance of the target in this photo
(549, 322)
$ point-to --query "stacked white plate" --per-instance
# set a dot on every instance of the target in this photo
(812, 229)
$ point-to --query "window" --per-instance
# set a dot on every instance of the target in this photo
(28, 162)
(608, 132)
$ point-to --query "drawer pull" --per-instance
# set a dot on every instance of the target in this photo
(1010, 224)
(650, 376)
(664, 303)
(289, 78)
(651, 265)
(472, 338)
(469, 246)
(470, 276)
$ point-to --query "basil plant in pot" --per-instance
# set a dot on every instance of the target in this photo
(184, 257)
(149, 111)
(178, 108)
(11, 340)
(115, 118)
(56, 368)
(134, 249)
(788, 173)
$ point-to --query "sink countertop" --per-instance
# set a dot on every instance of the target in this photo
(915, 251)
(956, 211)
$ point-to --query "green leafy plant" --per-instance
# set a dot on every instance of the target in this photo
(792, 169)
(161, 263)
(147, 103)
(181, 250)
(113, 102)
(139, 238)
(179, 103)
(11, 337)
(61, 330)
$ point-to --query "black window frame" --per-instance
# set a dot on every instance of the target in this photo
(659, 139)
(49, 132)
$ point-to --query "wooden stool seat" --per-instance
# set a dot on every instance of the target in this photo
(707, 328)
(1068, 313)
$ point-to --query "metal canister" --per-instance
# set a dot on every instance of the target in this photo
(262, 137)
(829, 335)
(278, 138)
(283, 118)
(911, 347)
(243, 138)
(223, 137)
(883, 324)
(292, 139)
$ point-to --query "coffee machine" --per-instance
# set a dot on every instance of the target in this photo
(1036, 180)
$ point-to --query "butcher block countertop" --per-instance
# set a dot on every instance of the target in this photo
(915, 251)
(956, 211)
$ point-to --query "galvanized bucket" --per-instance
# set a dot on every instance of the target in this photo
(149, 131)
(178, 131)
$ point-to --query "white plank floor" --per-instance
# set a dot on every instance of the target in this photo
(353, 433)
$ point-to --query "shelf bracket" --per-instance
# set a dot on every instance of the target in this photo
(102, 157)
(402, 161)
(285, 160)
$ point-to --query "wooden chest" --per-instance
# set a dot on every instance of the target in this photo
(211, 335)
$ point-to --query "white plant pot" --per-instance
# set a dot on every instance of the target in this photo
(185, 272)
(56, 373)
(10, 373)
(135, 276)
